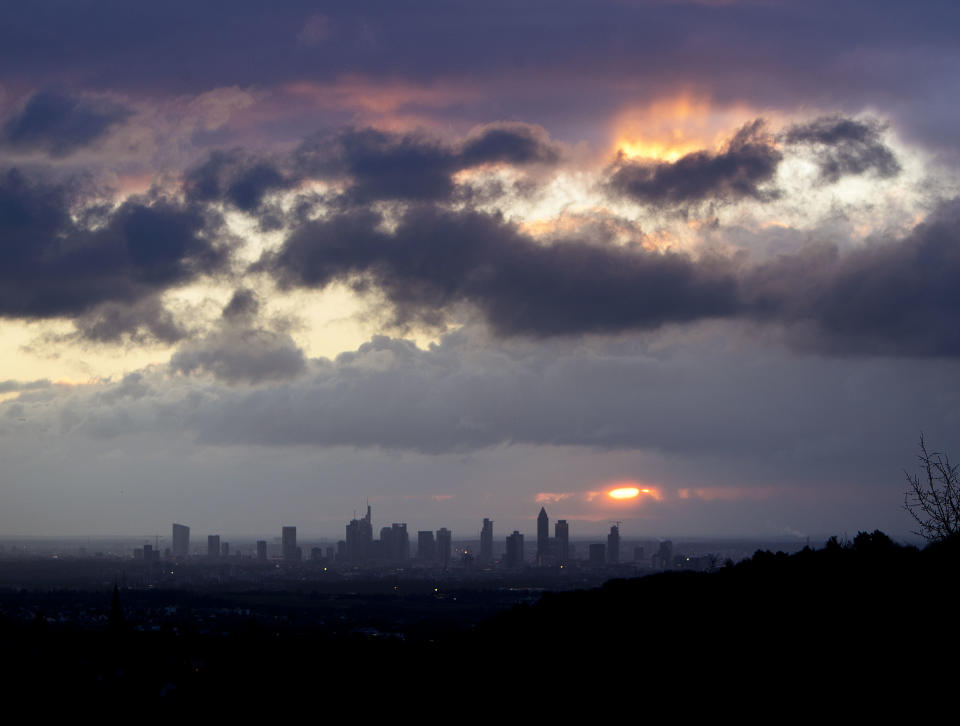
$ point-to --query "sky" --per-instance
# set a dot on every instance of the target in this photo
(263, 262)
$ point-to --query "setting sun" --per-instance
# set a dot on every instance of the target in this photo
(624, 493)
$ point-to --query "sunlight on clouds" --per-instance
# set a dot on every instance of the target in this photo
(669, 128)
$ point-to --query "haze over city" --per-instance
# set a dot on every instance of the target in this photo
(263, 264)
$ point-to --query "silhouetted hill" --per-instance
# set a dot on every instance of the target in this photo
(864, 618)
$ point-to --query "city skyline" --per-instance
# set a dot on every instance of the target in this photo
(259, 264)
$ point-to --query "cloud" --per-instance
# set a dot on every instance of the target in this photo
(59, 123)
(845, 147)
(890, 297)
(239, 350)
(102, 267)
(11, 386)
(437, 259)
(721, 397)
(739, 171)
(237, 178)
(382, 165)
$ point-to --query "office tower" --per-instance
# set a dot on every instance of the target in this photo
(543, 538)
(225, 549)
(359, 542)
(261, 549)
(181, 540)
(426, 546)
(514, 556)
(401, 542)
(444, 546)
(316, 553)
(289, 543)
(486, 542)
(613, 545)
(213, 545)
(638, 554)
(561, 532)
(664, 557)
(598, 555)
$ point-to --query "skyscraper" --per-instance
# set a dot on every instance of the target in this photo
(401, 542)
(426, 546)
(613, 545)
(562, 536)
(514, 556)
(289, 540)
(543, 538)
(359, 541)
(486, 542)
(261, 549)
(181, 540)
(444, 546)
(213, 545)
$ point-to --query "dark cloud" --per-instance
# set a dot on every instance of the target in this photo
(243, 305)
(59, 123)
(740, 170)
(105, 271)
(436, 259)
(845, 146)
(894, 296)
(236, 177)
(891, 297)
(412, 167)
(512, 143)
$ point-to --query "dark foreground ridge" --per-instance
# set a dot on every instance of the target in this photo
(864, 612)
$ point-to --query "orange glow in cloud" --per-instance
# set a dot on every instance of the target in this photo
(669, 128)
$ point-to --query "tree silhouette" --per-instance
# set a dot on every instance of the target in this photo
(933, 498)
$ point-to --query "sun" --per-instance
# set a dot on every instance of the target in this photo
(624, 493)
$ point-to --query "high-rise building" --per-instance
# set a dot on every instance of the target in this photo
(181, 540)
(444, 547)
(613, 545)
(514, 555)
(598, 555)
(359, 541)
(401, 541)
(543, 538)
(213, 545)
(486, 542)
(261, 549)
(426, 546)
(663, 559)
(289, 543)
(225, 549)
(561, 533)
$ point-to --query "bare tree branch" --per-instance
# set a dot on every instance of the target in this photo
(933, 497)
